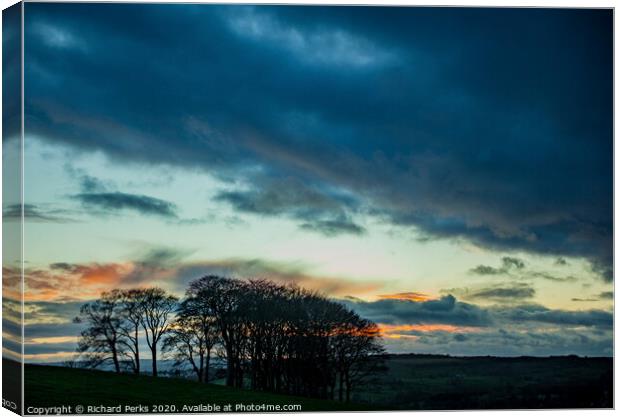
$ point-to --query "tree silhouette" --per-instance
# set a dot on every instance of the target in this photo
(278, 338)
(192, 337)
(130, 303)
(156, 307)
(100, 342)
(224, 298)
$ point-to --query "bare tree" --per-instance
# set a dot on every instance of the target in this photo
(189, 340)
(130, 304)
(156, 306)
(100, 342)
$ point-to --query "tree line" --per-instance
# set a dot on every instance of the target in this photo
(274, 337)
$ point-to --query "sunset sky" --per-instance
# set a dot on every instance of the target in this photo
(445, 172)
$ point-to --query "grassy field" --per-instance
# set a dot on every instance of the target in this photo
(48, 386)
(419, 382)
(414, 382)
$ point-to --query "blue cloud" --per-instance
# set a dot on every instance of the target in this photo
(489, 125)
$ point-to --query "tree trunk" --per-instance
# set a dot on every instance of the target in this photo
(117, 366)
(348, 382)
(206, 377)
(201, 369)
(230, 368)
(137, 347)
(154, 359)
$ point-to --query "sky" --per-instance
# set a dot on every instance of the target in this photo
(445, 172)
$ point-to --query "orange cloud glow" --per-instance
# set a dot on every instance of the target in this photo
(400, 331)
(408, 296)
(107, 274)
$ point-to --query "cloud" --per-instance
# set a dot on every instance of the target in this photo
(413, 296)
(486, 270)
(603, 296)
(510, 342)
(552, 277)
(512, 293)
(332, 228)
(508, 264)
(318, 209)
(56, 37)
(170, 268)
(117, 201)
(447, 325)
(36, 213)
(541, 314)
(446, 310)
(511, 163)
(516, 267)
(502, 293)
(321, 46)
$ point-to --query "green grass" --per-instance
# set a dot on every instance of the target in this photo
(48, 386)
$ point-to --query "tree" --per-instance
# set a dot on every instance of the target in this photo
(281, 338)
(224, 299)
(193, 336)
(100, 342)
(357, 352)
(130, 304)
(155, 307)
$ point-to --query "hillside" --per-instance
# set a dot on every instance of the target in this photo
(48, 386)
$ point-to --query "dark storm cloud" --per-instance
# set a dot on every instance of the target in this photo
(116, 201)
(11, 76)
(489, 125)
(606, 295)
